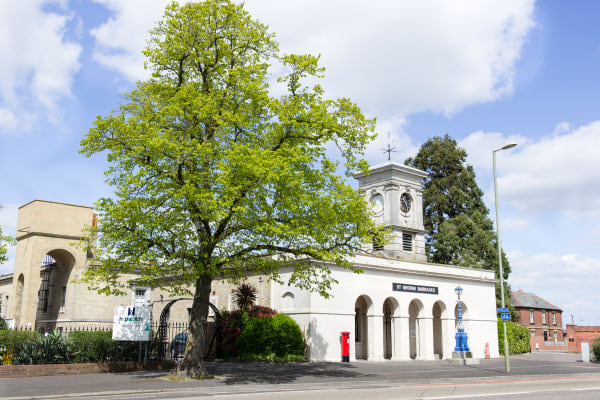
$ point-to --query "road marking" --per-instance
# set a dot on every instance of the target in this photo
(458, 396)
(583, 390)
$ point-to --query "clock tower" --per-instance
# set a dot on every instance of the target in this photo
(395, 194)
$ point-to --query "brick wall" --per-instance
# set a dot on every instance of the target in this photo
(25, 371)
(578, 334)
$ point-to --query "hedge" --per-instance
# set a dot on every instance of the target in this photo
(12, 342)
(279, 335)
(518, 338)
(596, 348)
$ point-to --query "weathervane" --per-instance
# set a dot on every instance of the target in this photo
(389, 149)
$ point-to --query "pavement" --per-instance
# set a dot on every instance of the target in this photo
(233, 377)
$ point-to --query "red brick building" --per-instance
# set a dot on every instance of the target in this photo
(542, 318)
(577, 334)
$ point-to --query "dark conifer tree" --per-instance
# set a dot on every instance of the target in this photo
(455, 216)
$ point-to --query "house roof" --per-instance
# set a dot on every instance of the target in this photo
(521, 299)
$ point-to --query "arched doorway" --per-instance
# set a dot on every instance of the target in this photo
(414, 311)
(389, 308)
(438, 311)
(361, 332)
(55, 272)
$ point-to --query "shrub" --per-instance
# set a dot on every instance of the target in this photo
(279, 336)
(49, 349)
(518, 338)
(233, 323)
(13, 340)
(3, 325)
(91, 346)
(596, 348)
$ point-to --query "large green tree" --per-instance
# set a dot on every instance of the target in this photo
(455, 216)
(215, 176)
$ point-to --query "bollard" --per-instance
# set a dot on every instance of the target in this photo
(487, 350)
(345, 346)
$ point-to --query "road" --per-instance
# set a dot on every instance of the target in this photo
(533, 376)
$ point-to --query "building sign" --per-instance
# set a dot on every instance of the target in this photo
(132, 323)
(403, 287)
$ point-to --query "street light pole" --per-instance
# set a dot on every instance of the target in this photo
(501, 272)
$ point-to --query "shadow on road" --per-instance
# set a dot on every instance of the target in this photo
(274, 373)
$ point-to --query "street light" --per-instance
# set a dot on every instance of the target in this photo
(506, 361)
(461, 335)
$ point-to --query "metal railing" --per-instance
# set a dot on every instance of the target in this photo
(69, 346)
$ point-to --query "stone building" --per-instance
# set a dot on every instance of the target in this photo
(542, 318)
(400, 307)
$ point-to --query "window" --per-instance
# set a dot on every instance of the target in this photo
(141, 296)
(553, 318)
(407, 241)
(555, 336)
(545, 336)
(377, 243)
(532, 332)
(544, 317)
(531, 316)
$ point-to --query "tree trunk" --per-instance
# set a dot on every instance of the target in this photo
(193, 363)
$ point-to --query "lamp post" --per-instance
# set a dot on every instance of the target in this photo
(501, 272)
(461, 335)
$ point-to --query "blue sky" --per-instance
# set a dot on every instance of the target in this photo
(487, 73)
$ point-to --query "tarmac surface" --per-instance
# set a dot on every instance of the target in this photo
(252, 377)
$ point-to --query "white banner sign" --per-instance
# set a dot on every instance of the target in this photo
(132, 323)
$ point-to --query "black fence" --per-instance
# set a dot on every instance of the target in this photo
(72, 344)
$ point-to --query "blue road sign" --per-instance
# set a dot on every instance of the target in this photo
(505, 316)
(501, 310)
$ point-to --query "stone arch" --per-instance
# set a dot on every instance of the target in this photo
(415, 313)
(390, 305)
(438, 312)
(55, 274)
(18, 301)
(361, 332)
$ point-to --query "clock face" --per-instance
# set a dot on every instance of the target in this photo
(405, 202)
(377, 203)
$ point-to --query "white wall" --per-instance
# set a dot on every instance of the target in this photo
(323, 319)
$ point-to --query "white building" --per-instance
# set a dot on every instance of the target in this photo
(400, 307)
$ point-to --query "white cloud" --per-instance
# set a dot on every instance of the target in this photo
(479, 146)
(121, 39)
(558, 173)
(512, 224)
(570, 282)
(8, 120)
(39, 63)
(394, 58)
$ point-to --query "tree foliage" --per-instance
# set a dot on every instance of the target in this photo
(455, 216)
(214, 176)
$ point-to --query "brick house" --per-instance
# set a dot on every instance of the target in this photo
(542, 318)
(578, 334)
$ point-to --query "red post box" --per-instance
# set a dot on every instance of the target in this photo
(345, 346)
